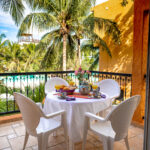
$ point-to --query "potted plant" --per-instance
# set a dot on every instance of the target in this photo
(82, 76)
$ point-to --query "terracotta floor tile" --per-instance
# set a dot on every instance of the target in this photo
(6, 130)
(136, 143)
(15, 125)
(15, 146)
(21, 123)
(4, 143)
(57, 147)
(55, 140)
(20, 130)
(28, 149)
(7, 148)
(11, 136)
(119, 146)
(35, 147)
(14, 132)
(136, 131)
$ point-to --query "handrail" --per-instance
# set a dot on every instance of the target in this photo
(59, 72)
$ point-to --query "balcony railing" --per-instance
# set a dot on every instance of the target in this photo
(32, 85)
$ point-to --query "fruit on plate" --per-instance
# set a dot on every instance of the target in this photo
(58, 87)
(71, 83)
(68, 89)
(94, 87)
(72, 88)
(62, 86)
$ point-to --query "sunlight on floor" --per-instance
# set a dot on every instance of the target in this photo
(12, 138)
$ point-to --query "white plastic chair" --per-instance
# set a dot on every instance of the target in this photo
(50, 84)
(110, 87)
(115, 126)
(37, 123)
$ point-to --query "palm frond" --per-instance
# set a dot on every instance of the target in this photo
(47, 36)
(15, 8)
(88, 45)
(42, 21)
(101, 43)
(46, 5)
(109, 26)
(84, 7)
(96, 61)
(124, 3)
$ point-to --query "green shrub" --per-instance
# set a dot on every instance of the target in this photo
(37, 94)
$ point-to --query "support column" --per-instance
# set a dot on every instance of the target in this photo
(140, 43)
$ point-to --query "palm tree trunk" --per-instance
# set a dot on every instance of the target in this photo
(64, 51)
(79, 52)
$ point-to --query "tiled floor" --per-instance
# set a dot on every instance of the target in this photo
(12, 138)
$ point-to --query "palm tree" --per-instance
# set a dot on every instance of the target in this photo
(3, 43)
(11, 58)
(16, 58)
(58, 14)
(15, 9)
(32, 57)
(91, 50)
(84, 28)
(53, 57)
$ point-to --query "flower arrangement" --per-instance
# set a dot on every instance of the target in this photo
(82, 74)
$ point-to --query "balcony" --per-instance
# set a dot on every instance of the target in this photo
(32, 85)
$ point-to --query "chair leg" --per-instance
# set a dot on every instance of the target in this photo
(126, 142)
(84, 139)
(64, 124)
(85, 131)
(66, 137)
(44, 141)
(40, 141)
(71, 145)
(25, 140)
(108, 143)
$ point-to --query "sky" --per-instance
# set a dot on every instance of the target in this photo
(8, 27)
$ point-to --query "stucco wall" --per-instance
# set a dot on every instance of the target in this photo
(131, 55)
(122, 54)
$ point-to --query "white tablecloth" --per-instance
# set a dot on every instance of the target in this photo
(75, 111)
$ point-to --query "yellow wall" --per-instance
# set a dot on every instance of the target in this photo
(122, 54)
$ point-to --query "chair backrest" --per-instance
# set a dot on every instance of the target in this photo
(110, 87)
(31, 113)
(50, 84)
(121, 116)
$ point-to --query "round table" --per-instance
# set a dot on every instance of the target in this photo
(75, 111)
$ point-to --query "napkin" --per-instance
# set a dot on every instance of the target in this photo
(70, 98)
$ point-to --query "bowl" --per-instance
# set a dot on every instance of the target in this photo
(68, 92)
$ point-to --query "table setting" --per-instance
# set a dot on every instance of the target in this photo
(84, 90)
(76, 101)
